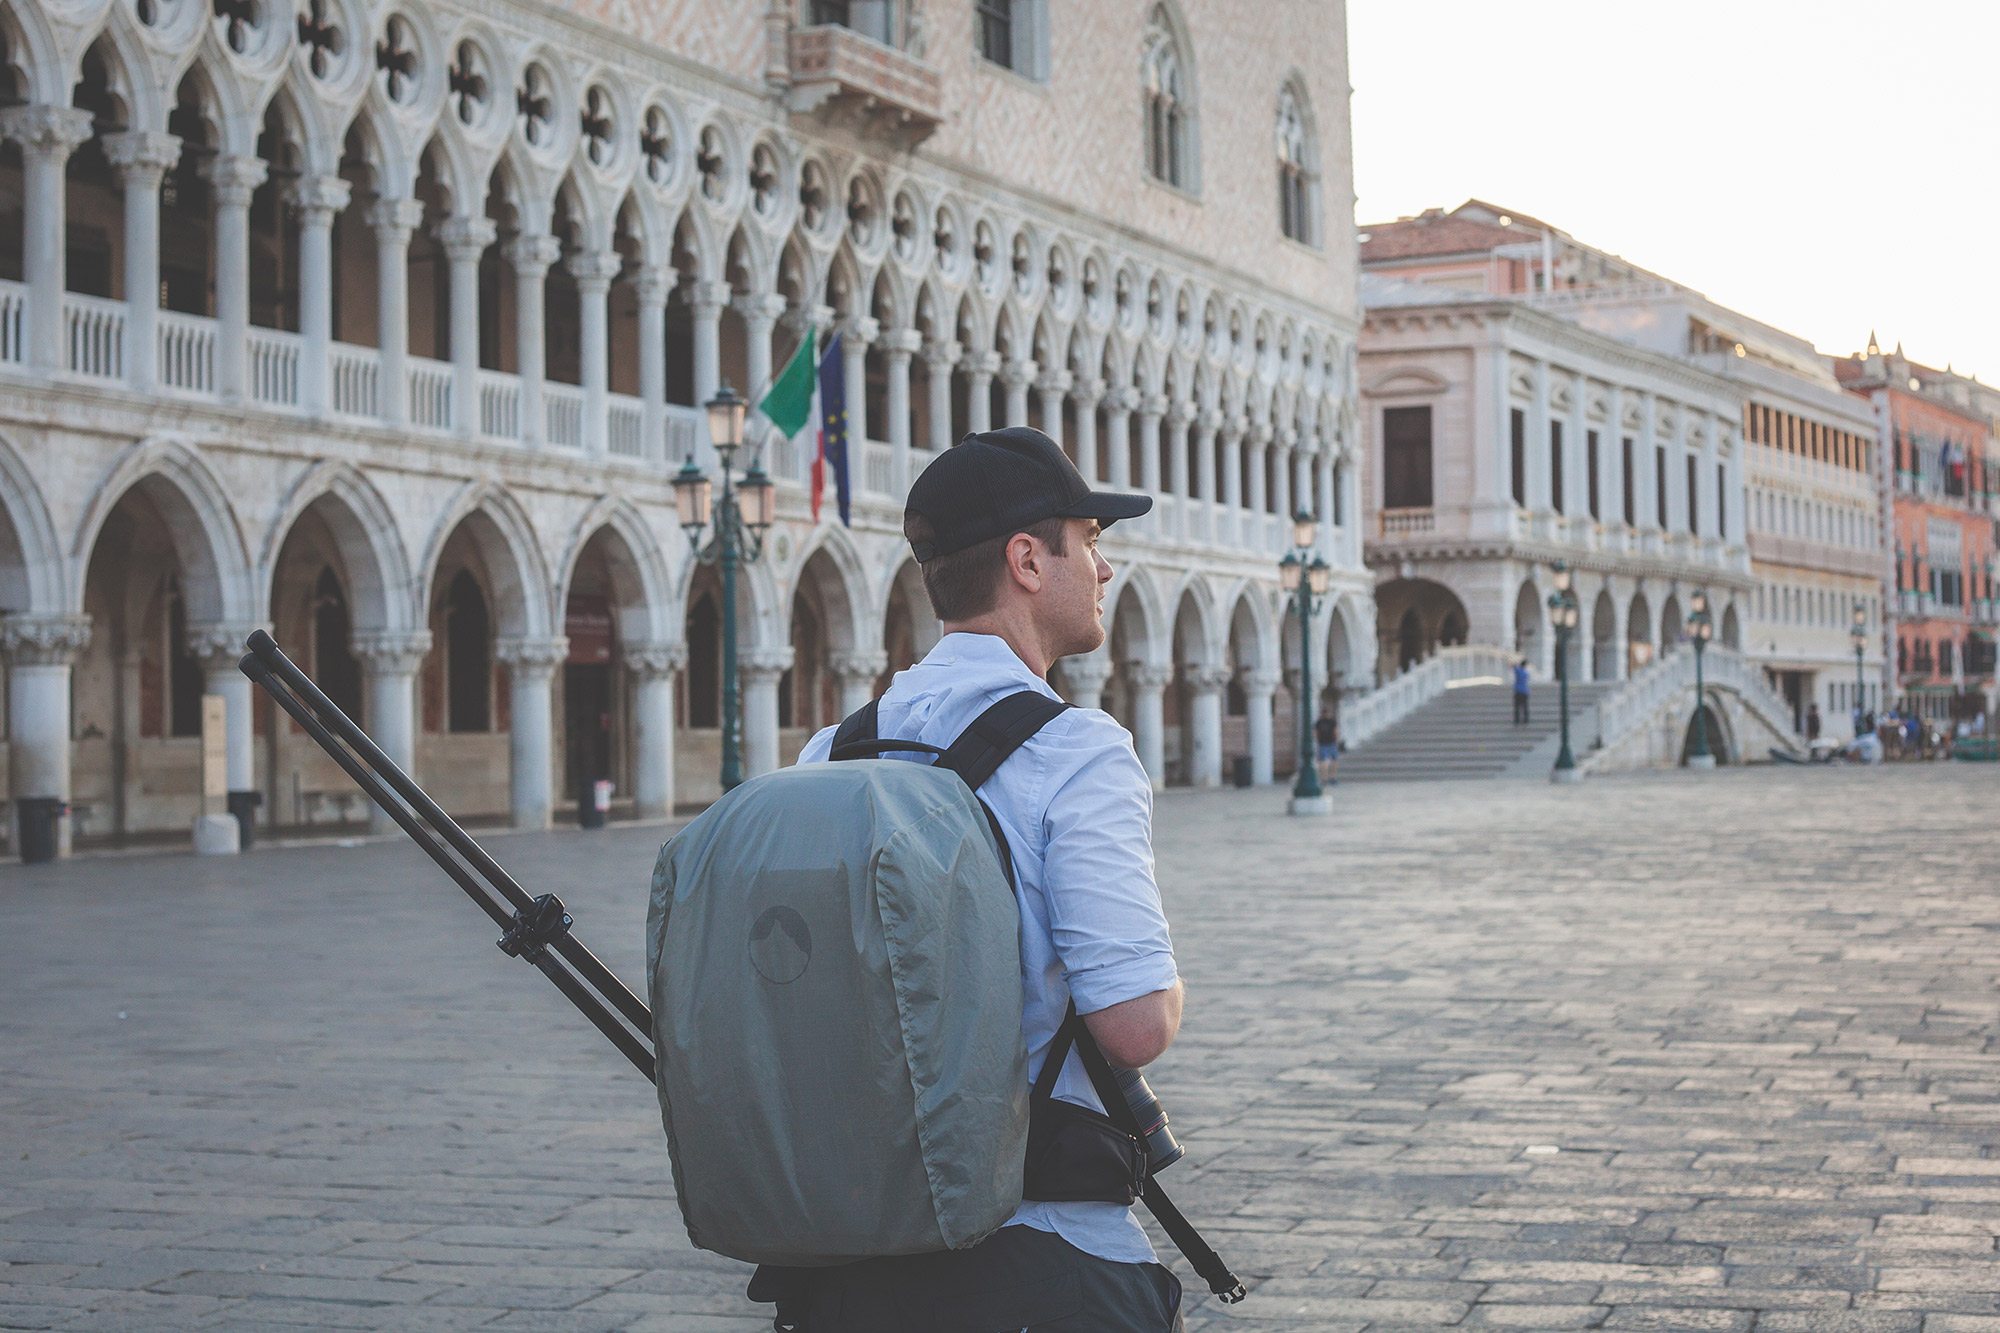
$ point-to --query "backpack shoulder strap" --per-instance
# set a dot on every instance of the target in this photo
(996, 733)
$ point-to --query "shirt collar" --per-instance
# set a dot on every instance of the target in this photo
(989, 651)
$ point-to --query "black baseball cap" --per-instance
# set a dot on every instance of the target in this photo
(996, 482)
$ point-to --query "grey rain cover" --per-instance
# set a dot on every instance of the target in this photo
(833, 956)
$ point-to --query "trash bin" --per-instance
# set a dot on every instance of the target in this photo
(593, 800)
(243, 804)
(1239, 770)
(39, 830)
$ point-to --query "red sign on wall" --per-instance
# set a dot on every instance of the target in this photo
(589, 628)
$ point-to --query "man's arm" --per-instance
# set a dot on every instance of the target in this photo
(1138, 1032)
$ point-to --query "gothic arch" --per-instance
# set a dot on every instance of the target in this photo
(850, 594)
(367, 534)
(203, 525)
(505, 537)
(33, 577)
(647, 611)
(1250, 611)
(1139, 582)
(1196, 640)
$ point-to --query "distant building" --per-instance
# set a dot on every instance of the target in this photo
(1938, 431)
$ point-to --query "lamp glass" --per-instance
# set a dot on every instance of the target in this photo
(1305, 529)
(1288, 573)
(692, 492)
(1699, 602)
(1562, 577)
(760, 498)
(1319, 575)
(725, 419)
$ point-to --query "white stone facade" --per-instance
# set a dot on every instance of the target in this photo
(440, 288)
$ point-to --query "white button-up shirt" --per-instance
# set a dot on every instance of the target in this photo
(1077, 810)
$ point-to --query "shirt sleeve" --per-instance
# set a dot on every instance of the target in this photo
(819, 747)
(1097, 868)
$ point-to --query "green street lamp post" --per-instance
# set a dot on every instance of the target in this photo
(741, 518)
(1860, 636)
(1564, 612)
(1305, 576)
(1700, 628)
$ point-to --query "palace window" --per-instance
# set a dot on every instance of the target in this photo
(1517, 425)
(1406, 458)
(1556, 496)
(1631, 513)
(1590, 450)
(1298, 170)
(1169, 104)
(870, 18)
(1013, 34)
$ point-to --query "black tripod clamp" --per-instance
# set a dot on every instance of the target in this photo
(536, 926)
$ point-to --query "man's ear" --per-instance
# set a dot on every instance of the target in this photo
(1024, 562)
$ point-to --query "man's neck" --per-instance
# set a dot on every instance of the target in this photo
(1015, 632)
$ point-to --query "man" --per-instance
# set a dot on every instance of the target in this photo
(1326, 745)
(1520, 691)
(1812, 722)
(1005, 532)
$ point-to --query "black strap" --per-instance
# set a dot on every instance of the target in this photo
(1052, 1063)
(856, 727)
(996, 733)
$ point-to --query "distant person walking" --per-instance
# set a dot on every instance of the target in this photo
(1326, 747)
(1521, 692)
(1812, 723)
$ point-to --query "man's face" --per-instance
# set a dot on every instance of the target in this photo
(1072, 598)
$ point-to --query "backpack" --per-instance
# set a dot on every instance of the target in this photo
(833, 958)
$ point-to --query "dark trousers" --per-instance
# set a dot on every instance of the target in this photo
(1520, 708)
(1017, 1278)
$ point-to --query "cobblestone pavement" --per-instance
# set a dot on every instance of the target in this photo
(1661, 1052)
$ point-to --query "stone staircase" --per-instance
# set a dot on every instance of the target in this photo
(1468, 731)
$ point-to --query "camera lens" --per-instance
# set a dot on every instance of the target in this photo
(1161, 1147)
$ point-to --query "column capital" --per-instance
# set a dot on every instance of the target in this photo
(1156, 405)
(397, 217)
(46, 130)
(858, 666)
(1055, 381)
(768, 663)
(466, 237)
(594, 269)
(1088, 392)
(902, 343)
(1261, 684)
(651, 284)
(1209, 421)
(532, 657)
(654, 661)
(818, 318)
(235, 178)
(318, 198)
(31, 640)
(1088, 671)
(760, 305)
(1018, 374)
(707, 298)
(1120, 399)
(942, 354)
(392, 652)
(1145, 676)
(218, 646)
(532, 255)
(1258, 431)
(142, 155)
(1210, 679)
(859, 331)
(983, 363)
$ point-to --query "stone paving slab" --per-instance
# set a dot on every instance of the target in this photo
(1665, 1051)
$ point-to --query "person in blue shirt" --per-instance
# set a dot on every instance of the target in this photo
(1004, 530)
(1521, 692)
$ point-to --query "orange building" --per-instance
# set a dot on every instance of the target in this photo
(1944, 496)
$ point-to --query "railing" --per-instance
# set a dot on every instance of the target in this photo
(875, 470)
(430, 393)
(684, 426)
(625, 427)
(1405, 522)
(356, 374)
(499, 405)
(94, 330)
(274, 366)
(1371, 714)
(13, 315)
(186, 345)
(1640, 698)
(563, 404)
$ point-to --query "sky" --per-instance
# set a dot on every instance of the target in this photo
(1827, 167)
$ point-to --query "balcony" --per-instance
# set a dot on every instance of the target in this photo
(1391, 523)
(856, 82)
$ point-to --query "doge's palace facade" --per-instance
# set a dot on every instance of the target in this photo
(384, 325)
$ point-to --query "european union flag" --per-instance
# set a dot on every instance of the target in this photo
(832, 431)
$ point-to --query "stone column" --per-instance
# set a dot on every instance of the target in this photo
(1540, 482)
(650, 288)
(464, 240)
(1084, 679)
(760, 669)
(142, 158)
(40, 651)
(1205, 764)
(857, 674)
(390, 661)
(1088, 393)
(47, 135)
(1258, 688)
(393, 221)
(1256, 445)
(705, 302)
(531, 667)
(652, 668)
(760, 316)
(1178, 425)
(593, 271)
(1706, 487)
(317, 199)
(980, 369)
(939, 358)
(898, 345)
(1050, 390)
(219, 648)
(233, 181)
(1152, 408)
(1230, 516)
(1118, 437)
(854, 340)
(531, 257)
(1149, 726)
(1286, 502)
(1611, 485)
(1350, 481)
(1016, 376)
(1204, 459)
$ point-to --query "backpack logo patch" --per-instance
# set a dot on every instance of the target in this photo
(780, 946)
